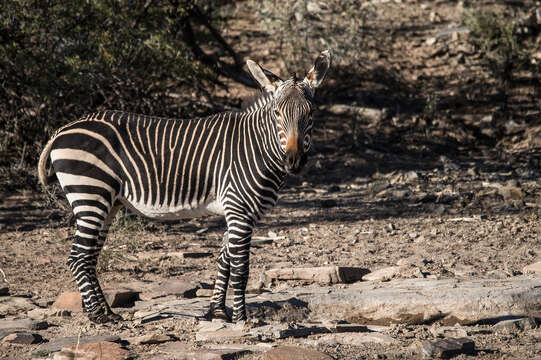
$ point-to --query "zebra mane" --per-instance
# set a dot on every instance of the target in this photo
(256, 101)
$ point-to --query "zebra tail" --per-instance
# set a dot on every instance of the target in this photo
(44, 178)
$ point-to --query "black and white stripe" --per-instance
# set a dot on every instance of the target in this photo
(230, 164)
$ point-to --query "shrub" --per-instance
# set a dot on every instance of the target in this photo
(62, 59)
(496, 38)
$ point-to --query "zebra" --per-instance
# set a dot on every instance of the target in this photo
(231, 164)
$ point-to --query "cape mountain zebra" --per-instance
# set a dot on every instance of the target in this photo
(229, 164)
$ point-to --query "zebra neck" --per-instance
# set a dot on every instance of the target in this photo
(267, 131)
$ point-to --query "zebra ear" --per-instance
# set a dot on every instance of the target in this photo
(317, 73)
(266, 79)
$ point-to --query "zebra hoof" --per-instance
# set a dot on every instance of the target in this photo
(239, 318)
(114, 317)
(102, 318)
(218, 313)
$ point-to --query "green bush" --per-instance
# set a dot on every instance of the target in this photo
(62, 59)
(496, 37)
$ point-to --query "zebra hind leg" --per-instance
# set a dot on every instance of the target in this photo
(217, 304)
(89, 238)
(101, 240)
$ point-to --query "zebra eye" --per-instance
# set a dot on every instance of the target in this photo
(277, 112)
(306, 142)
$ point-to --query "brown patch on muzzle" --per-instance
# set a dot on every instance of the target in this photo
(292, 145)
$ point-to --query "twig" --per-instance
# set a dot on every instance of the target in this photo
(20, 166)
(260, 240)
(78, 341)
(184, 26)
(467, 219)
(4, 276)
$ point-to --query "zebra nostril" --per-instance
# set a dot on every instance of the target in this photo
(290, 159)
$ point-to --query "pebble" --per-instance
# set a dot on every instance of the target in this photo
(22, 338)
(204, 292)
(448, 348)
(448, 331)
(534, 268)
(384, 274)
(431, 41)
(526, 323)
(411, 176)
(71, 301)
(511, 193)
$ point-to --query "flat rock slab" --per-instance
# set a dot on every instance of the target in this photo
(184, 351)
(149, 339)
(180, 288)
(221, 335)
(99, 350)
(220, 331)
(409, 301)
(294, 353)
(154, 310)
(14, 305)
(322, 275)
(416, 301)
(40, 314)
(27, 324)
(357, 339)
(57, 344)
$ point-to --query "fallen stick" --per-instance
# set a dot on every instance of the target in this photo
(258, 240)
(4, 276)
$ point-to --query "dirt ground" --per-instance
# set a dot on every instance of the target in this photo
(457, 191)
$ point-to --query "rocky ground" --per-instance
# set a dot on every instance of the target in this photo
(414, 231)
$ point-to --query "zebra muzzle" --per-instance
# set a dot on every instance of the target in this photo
(294, 161)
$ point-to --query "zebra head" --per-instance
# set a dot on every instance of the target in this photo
(292, 106)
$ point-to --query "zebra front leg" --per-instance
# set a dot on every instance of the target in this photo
(240, 235)
(217, 304)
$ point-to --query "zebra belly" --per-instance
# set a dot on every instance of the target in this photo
(175, 213)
